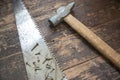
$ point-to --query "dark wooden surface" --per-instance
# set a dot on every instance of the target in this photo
(77, 58)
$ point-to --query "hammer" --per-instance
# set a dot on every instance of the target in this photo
(63, 13)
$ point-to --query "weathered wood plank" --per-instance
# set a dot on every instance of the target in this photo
(71, 50)
(6, 7)
(93, 13)
(87, 11)
(96, 69)
(12, 68)
(9, 43)
(109, 32)
(78, 59)
(11, 59)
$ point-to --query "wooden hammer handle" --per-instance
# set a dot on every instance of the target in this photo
(92, 38)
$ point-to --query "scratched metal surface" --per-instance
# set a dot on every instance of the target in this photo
(40, 65)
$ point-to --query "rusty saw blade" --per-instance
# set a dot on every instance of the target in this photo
(39, 62)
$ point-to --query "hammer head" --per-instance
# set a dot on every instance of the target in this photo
(62, 12)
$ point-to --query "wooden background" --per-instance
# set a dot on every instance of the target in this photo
(77, 58)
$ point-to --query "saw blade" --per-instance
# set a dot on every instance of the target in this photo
(39, 62)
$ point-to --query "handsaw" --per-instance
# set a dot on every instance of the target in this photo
(39, 62)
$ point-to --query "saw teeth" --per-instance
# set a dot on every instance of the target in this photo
(52, 55)
(56, 61)
(31, 46)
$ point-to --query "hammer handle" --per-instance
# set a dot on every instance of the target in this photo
(92, 38)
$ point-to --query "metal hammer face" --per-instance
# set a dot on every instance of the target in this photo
(61, 13)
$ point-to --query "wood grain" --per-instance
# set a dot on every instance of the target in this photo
(78, 59)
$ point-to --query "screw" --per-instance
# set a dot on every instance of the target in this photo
(48, 66)
(28, 64)
(38, 60)
(52, 70)
(37, 53)
(47, 59)
(37, 68)
(34, 46)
